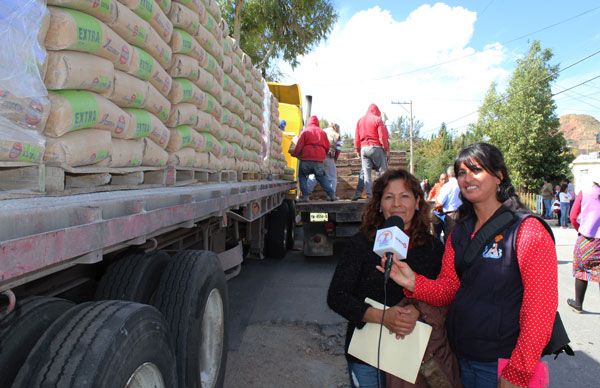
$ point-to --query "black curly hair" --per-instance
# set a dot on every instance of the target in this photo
(491, 160)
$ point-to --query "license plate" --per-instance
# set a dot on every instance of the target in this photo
(319, 217)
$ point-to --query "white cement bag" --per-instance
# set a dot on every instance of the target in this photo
(153, 14)
(183, 114)
(104, 10)
(185, 157)
(79, 148)
(147, 124)
(154, 156)
(127, 153)
(127, 91)
(139, 33)
(75, 70)
(75, 109)
(74, 30)
(157, 104)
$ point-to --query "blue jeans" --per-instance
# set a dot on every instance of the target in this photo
(475, 374)
(308, 167)
(548, 208)
(564, 213)
(364, 376)
(361, 183)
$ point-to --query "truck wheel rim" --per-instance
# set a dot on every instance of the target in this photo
(213, 331)
(146, 375)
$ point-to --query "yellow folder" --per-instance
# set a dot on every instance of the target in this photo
(400, 357)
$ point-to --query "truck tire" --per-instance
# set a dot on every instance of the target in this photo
(291, 223)
(276, 239)
(102, 344)
(21, 329)
(192, 295)
(133, 277)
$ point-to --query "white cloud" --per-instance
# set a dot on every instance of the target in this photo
(364, 61)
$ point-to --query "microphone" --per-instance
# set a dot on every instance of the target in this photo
(389, 240)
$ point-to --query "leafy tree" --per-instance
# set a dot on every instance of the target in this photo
(399, 131)
(347, 142)
(523, 124)
(270, 29)
(433, 156)
(323, 123)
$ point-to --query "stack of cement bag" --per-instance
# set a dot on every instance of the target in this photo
(24, 107)
(107, 82)
(276, 161)
(254, 87)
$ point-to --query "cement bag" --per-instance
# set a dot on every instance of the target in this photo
(184, 90)
(184, 18)
(184, 43)
(213, 8)
(127, 91)
(185, 157)
(202, 160)
(127, 153)
(226, 117)
(185, 136)
(237, 151)
(211, 24)
(224, 27)
(74, 30)
(75, 70)
(146, 124)
(145, 67)
(204, 122)
(211, 144)
(80, 148)
(138, 32)
(215, 163)
(207, 83)
(20, 145)
(213, 66)
(77, 109)
(154, 156)
(184, 66)
(195, 5)
(208, 41)
(26, 112)
(22, 26)
(157, 104)
(211, 106)
(165, 5)
(153, 14)
(104, 10)
(227, 149)
(227, 64)
(183, 114)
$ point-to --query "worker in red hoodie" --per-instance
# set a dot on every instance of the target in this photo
(371, 144)
(311, 149)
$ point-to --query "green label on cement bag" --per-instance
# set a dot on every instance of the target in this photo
(101, 155)
(211, 103)
(165, 4)
(105, 6)
(26, 152)
(211, 23)
(103, 83)
(187, 41)
(145, 10)
(145, 64)
(89, 31)
(143, 122)
(185, 132)
(84, 107)
(187, 90)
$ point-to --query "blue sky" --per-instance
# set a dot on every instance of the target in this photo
(376, 43)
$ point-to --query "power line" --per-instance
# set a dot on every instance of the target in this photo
(573, 87)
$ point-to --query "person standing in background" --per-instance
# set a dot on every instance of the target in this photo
(547, 196)
(565, 201)
(335, 146)
(435, 190)
(585, 218)
(448, 201)
(371, 145)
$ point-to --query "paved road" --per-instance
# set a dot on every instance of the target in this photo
(294, 290)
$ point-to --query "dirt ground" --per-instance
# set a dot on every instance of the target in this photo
(289, 355)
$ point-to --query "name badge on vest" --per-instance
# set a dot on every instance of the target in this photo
(495, 249)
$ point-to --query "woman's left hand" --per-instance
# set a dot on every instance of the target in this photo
(407, 320)
(503, 383)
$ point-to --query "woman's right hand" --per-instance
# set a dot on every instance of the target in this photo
(401, 273)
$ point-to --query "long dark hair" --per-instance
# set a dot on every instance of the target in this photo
(372, 218)
(491, 160)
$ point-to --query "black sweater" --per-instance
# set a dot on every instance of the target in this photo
(356, 278)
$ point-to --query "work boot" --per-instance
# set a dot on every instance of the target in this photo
(331, 199)
(574, 305)
(356, 197)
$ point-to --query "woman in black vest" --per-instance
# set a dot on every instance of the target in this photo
(502, 305)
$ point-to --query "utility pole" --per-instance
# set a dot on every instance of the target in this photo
(410, 133)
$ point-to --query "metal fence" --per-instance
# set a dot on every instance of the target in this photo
(532, 201)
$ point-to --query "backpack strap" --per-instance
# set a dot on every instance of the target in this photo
(476, 245)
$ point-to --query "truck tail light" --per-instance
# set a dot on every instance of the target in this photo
(329, 227)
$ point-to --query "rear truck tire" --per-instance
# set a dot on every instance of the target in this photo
(100, 345)
(192, 295)
(291, 223)
(133, 277)
(276, 239)
(21, 329)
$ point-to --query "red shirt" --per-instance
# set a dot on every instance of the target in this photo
(312, 143)
(536, 255)
(371, 131)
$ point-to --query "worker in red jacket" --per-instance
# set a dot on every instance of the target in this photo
(311, 149)
(371, 144)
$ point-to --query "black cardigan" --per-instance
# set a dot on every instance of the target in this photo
(356, 278)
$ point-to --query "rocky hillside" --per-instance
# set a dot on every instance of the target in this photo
(580, 132)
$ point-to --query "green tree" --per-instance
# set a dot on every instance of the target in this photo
(270, 29)
(523, 122)
(347, 142)
(434, 155)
